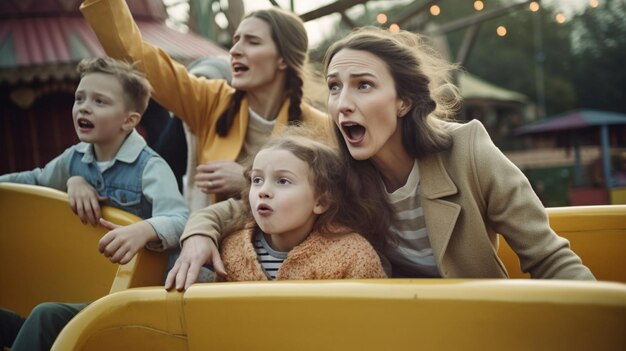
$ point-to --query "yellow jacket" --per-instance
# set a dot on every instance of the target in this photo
(197, 101)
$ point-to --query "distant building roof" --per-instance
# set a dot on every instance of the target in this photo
(45, 39)
(577, 119)
(473, 87)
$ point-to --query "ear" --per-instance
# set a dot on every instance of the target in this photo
(321, 206)
(282, 65)
(131, 120)
(403, 106)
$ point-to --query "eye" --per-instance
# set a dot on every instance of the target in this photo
(365, 85)
(257, 180)
(99, 101)
(333, 87)
(284, 181)
(78, 98)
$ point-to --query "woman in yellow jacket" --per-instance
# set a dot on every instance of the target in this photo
(267, 60)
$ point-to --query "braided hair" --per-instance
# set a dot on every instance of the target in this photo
(290, 37)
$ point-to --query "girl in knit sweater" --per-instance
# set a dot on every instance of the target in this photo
(297, 216)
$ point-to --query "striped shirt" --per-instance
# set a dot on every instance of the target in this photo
(412, 255)
(270, 259)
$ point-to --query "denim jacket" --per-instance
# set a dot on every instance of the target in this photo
(139, 182)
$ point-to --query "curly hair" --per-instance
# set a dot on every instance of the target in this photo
(328, 176)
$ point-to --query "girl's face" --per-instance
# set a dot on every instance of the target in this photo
(282, 199)
(254, 58)
(363, 103)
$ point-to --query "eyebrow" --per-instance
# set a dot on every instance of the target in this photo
(94, 93)
(352, 75)
(281, 171)
(246, 36)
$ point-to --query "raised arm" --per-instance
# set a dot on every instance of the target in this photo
(192, 99)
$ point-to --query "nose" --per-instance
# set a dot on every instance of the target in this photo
(234, 50)
(265, 191)
(345, 103)
(82, 106)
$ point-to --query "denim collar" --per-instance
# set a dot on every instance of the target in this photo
(128, 152)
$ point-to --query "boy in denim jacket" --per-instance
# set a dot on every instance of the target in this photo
(114, 166)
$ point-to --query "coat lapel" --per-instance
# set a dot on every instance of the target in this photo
(440, 215)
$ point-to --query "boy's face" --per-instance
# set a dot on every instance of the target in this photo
(100, 114)
(281, 197)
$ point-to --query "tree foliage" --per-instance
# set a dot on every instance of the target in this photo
(533, 56)
(599, 72)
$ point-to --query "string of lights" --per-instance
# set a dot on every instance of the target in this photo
(560, 16)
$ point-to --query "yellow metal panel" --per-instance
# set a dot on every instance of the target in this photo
(406, 315)
(392, 314)
(618, 196)
(147, 268)
(47, 254)
(596, 233)
(134, 319)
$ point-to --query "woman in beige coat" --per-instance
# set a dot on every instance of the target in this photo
(449, 186)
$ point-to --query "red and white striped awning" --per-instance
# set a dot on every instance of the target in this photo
(37, 43)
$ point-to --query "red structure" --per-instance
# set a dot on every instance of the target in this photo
(41, 41)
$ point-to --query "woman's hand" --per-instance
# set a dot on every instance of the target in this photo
(223, 177)
(197, 250)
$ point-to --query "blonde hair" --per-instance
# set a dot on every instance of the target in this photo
(134, 84)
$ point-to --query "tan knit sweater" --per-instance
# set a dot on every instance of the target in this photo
(336, 256)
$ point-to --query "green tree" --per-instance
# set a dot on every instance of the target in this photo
(535, 51)
(600, 51)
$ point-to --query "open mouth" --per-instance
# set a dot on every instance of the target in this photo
(264, 209)
(238, 68)
(354, 132)
(85, 124)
